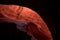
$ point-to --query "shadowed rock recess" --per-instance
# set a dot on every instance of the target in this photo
(9, 31)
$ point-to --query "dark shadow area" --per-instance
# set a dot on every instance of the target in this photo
(46, 9)
(10, 32)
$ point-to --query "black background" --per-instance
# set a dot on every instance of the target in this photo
(47, 9)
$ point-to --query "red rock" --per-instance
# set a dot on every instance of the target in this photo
(16, 13)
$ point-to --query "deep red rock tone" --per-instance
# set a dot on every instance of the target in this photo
(37, 27)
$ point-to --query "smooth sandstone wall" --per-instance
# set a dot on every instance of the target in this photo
(17, 13)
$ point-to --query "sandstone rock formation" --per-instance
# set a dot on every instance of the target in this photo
(17, 13)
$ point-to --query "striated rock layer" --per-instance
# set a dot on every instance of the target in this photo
(36, 27)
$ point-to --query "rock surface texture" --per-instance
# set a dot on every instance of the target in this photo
(36, 26)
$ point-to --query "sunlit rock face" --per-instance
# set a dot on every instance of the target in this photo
(32, 21)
